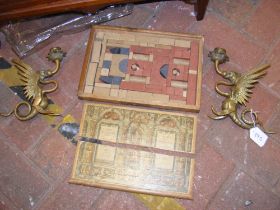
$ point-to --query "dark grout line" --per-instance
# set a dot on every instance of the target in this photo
(223, 184)
(239, 166)
(230, 179)
(252, 12)
(100, 197)
(53, 187)
(40, 139)
(27, 160)
(267, 188)
(8, 202)
(239, 29)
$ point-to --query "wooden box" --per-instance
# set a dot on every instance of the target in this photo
(143, 67)
(136, 150)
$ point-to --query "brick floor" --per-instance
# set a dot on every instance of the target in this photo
(231, 171)
(236, 11)
(70, 196)
(111, 200)
(242, 192)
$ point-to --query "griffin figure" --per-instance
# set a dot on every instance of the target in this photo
(36, 97)
(241, 86)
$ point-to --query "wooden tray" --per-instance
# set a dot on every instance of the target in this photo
(128, 155)
(142, 67)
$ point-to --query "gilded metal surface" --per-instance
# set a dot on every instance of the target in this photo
(36, 97)
(241, 86)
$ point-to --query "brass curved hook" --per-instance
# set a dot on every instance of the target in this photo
(49, 82)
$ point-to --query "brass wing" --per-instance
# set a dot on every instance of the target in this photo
(242, 89)
(29, 78)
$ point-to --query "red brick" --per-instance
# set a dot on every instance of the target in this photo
(261, 25)
(272, 78)
(118, 200)
(140, 50)
(156, 78)
(25, 133)
(146, 72)
(8, 101)
(164, 89)
(264, 164)
(65, 42)
(191, 93)
(273, 124)
(161, 54)
(132, 86)
(276, 188)
(233, 142)
(150, 50)
(5, 49)
(241, 188)
(72, 196)
(194, 56)
(170, 90)
(186, 53)
(153, 88)
(20, 183)
(177, 53)
(54, 155)
(171, 12)
(136, 19)
(6, 204)
(205, 124)
(178, 91)
(218, 34)
(161, 59)
(152, 6)
(237, 11)
(209, 176)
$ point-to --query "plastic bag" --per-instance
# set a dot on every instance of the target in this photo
(24, 36)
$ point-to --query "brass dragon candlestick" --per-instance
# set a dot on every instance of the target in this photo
(37, 100)
(241, 86)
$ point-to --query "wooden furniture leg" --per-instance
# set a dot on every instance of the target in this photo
(200, 8)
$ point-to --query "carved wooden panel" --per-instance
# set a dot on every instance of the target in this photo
(157, 129)
(132, 170)
(136, 150)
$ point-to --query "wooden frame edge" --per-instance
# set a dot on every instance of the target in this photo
(101, 98)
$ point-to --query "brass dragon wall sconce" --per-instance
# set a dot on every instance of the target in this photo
(241, 86)
(32, 81)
